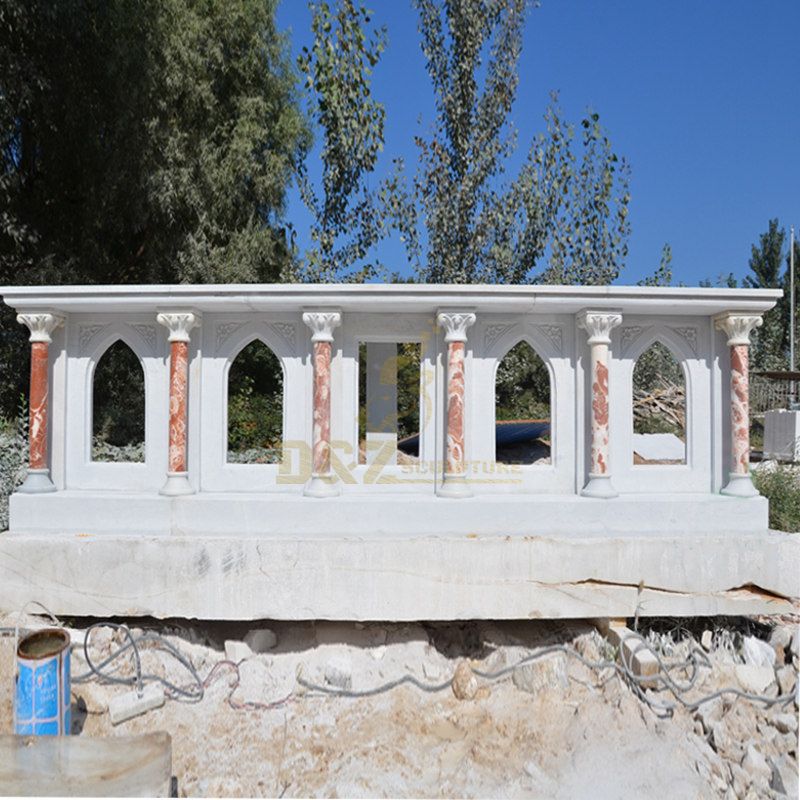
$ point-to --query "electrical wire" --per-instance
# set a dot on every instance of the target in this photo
(665, 679)
(193, 694)
(624, 669)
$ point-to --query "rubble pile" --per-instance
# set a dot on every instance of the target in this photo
(289, 709)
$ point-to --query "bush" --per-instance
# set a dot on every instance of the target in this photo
(13, 460)
(780, 484)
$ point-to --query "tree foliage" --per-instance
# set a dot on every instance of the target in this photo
(338, 66)
(142, 141)
(565, 213)
(770, 342)
(522, 385)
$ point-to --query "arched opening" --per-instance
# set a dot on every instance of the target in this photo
(659, 408)
(118, 406)
(522, 408)
(255, 406)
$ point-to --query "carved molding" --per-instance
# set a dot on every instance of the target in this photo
(224, 331)
(87, 333)
(628, 335)
(147, 332)
(179, 324)
(737, 327)
(286, 330)
(598, 325)
(689, 335)
(553, 335)
(494, 331)
(322, 324)
(40, 325)
(455, 324)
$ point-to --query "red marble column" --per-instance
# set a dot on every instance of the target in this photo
(322, 323)
(40, 326)
(455, 408)
(737, 327)
(454, 482)
(322, 408)
(598, 325)
(180, 325)
(178, 379)
(599, 464)
(38, 405)
(740, 410)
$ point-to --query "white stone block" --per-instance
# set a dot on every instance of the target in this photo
(782, 435)
(659, 446)
(237, 651)
(261, 640)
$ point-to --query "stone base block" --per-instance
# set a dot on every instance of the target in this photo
(377, 515)
(467, 576)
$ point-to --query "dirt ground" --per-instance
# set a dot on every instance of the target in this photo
(557, 730)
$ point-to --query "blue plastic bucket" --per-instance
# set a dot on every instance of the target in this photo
(42, 698)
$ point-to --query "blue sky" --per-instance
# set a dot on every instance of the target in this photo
(701, 96)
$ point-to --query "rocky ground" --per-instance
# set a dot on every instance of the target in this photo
(551, 728)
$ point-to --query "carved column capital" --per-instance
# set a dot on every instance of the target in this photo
(599, 324)
(322, 324)
(737, 327)
(40, 325)
(456, 324)
(179, 324)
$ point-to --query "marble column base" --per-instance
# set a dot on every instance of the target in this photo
(740, 485)
(177, 483)
(599, 486)
(454, 486)
(37, 482)
(322, 486)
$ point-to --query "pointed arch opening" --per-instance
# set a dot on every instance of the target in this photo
(659, 408)
(522, 408)
(118, 406)
(255, 406)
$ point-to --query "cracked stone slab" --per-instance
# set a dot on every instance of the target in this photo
(409, 578)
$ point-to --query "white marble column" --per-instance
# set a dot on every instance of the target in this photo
(598, 326)
(737, 327)
(322, 323)
(179, 325)
(455, 324)
(41, 326)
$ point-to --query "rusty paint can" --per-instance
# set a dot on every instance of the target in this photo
(42, 697)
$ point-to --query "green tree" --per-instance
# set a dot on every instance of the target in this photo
(347, 219)
(657, 366)
(663, 274)
(142, 141)
(565, 212)
(767, 260)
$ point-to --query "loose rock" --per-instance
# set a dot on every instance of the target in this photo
(255, 684)
(779, 641)
(787, 679)
(785, 723)
(237, 651)
(545, 673)
(754, 679)
(784, 776)
(261, 640)
(757, 653)
(339, 672)
(756, 765)
(707, 640)
(710, 712)
(465, 684)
